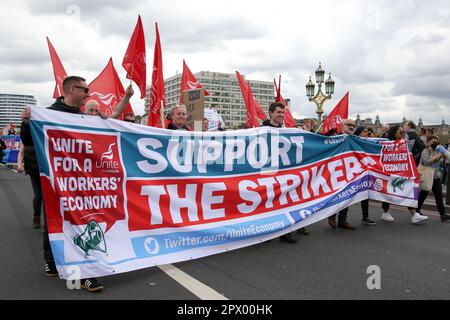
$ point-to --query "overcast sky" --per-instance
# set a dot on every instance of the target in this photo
(393, 56)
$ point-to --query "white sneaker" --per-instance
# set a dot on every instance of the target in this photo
(386, 216)
(416, 218)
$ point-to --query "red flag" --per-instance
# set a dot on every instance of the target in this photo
(107, 90)
(189, 82)
(134, 59)
(249, 101)
(289, 120)
(58, 71)
(334, 119)
(157, 95)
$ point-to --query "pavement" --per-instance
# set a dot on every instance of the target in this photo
(413, 261)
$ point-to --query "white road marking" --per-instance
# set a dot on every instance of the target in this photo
(193, 285)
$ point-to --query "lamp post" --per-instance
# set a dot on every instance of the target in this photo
(319, 98)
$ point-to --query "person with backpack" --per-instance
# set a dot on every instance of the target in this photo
(415, 143)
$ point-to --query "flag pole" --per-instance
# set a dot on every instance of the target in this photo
(320, 127)
(132, 70)
(162, 115)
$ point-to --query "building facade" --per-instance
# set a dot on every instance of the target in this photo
(11, 106)
(224, 95)
(441, 130)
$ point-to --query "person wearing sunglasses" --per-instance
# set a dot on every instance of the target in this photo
(129, 117)
(75, 92)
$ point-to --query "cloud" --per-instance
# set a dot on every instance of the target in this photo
(391, 56)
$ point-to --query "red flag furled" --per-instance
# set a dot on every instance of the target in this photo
(249, 101)
(334, 119)
(107, 90)
(134, 59)
(58, 71)
(189, 81)
(289, 120)
(157, 95)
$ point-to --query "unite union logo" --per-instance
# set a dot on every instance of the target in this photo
(193, 84)
(106, 160)
(107, 99)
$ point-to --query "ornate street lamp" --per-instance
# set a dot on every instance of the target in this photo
(319, 98)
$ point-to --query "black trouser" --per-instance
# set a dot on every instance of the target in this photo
(445, 173)
(37, 190)
(48, 255)
(437, 192)
(365, 208)
(342, 217)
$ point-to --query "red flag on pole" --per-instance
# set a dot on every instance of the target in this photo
(258, 109)
(134, 59)
(189, 81)
(157, 95)
(58, 71)
(334, 119)
(107, 90)
(289, 120)
(249, 101)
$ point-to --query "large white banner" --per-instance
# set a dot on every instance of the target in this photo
(122, 196)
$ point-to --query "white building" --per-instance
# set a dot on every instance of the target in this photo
(11, 106)
(224, 95)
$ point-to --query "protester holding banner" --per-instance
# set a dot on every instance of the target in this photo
(92, 108)
(75, 93)
(363, 132)
(179, 118)
(397, 133)
(432, 158)
(276, 119)
(348, 125)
